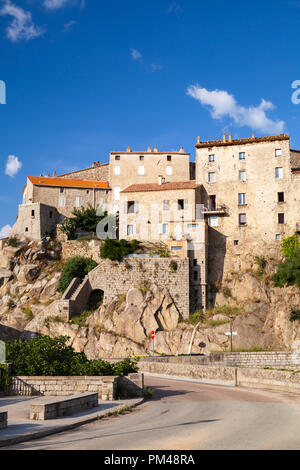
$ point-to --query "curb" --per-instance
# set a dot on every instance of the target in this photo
(47, 432)
(187, 379)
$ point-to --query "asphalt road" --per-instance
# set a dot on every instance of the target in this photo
(190, 416)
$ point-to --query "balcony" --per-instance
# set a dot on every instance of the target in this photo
(215, 210)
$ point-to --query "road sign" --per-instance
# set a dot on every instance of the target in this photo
(234, 333)
(153, 335)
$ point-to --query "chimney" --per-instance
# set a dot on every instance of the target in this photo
(128, 149)
(160, 180)
(230, 139)
(93, 164)
(155, 150)
(198, 140)
(98, 164)
(181, 150)
(253, 136)
(54, 174)
(224, 137)
(149, 150)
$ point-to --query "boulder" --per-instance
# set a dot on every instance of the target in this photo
(5, 276)
(28, 273)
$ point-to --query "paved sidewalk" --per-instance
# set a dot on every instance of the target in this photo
(21, 428)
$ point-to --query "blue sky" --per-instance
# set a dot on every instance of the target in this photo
(84, 77)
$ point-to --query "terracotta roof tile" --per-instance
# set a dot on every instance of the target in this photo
(67, 182)
(251, 140)
(295, 159)
(135, 188)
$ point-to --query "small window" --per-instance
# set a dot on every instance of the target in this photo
(189, 226)
(242, 175)
(62, 201)
(211, 158)
(195, 262)
(26, 229)
(117, 157)
(242, 219)
(195, 275)
(87, 191)
(169, 170)
(50, 215)
(277, 236)
(212, 177)
(79, 202)
(278, 153)
(180, 204)
(117, 170)
(131, 230)
(117, 193)
(62, 190)
(141, 170)
(236, 242)
(242, 199)
(169, 158)
(130, 207)
(242, 156)
(176, 248)
(166, 205)
(165, 228)
(278, 173)
(213, 221)
(32, 213)
(280, 197)
(141, 158)
(281, 218)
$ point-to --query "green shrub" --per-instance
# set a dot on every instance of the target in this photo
(288, 272)
(295, 315)
(116, 250)
(28, 312)
(77, 266)
(162, 251)
(52, 357)
(85, 219)
(13, 241)
(173, 266)
(4, 378)
(290, 245)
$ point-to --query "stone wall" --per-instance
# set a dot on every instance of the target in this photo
(3, 419)
(98, 172)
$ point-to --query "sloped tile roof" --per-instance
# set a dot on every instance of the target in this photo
(135, 188)
(67, 182)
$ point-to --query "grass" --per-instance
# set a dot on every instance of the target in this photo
(28, 312)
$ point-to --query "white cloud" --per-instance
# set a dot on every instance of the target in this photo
(22, 26)
(223, 104)
(135, 54)
(55, 4)
(13, 165)
(155, 67)
(174, 8)
(68, 26)
(5, 231)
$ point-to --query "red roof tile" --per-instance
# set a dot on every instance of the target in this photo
(67, 182)
(251, 140)
(135, 188)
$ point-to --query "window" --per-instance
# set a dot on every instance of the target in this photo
(211, 158)
(117, 170)
(169, 158)
(242, 156)
(132, 207)
(62, 201)
(242, 175)
(278, 173)
(117, 157)
(79, 201)
(169, 170)
(131, 230)
(62, 190)
(141, 170)
(32, 213)
(195, 275)
(212, 204)
(278, 153)
(281, 218)
(195, 262)
(141, 158)
(26, 229)
(117, 193)
(280, 197)
(242, 199)
(87, 191)
(166, 205)
(213, 221)
(277, 236)
(176, 248)
(189, 226)
(212, 177)
(50, 215)
(180, 204)
(236, 242)
(242, 219)
(165, 228)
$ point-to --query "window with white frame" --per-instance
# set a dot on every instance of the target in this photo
(62, 201)
(117, 170)
(165, 228)
(242, 156)
(131, 229)
(169, 170)
(211, 158)
(242, 219)
(278, 173)
(277, 236)
(242, 199)
(211, 177)
(79, 201)
(117, 193)
(166, 205)
(141, 170)
(242, 175)
(278, 153)
(213, 221)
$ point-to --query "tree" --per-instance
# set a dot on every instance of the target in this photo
(288, 272)
(78, 266)
(290, 245)
(117, 249)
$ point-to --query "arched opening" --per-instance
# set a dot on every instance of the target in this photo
(95, 300)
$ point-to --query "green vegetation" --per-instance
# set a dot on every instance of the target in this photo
(77, 266)
(290, 245)
(85, 219)
(4, 379)
(51, 357)
(295, 315)
(173, 266)
(28, 312)
(162, 251)
(116, 250)
(288, 272)
(13, 241)
(262, 263)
